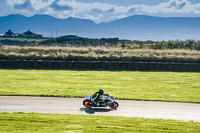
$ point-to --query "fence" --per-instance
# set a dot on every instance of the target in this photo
(144, 66)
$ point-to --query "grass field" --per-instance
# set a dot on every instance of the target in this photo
(23, 39)
(162, 86)
(20, 123)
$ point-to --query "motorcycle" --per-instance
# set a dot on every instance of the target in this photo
(104, 101)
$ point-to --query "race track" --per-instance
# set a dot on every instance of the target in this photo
(127, 108)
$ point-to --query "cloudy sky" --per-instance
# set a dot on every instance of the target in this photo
(101, 10)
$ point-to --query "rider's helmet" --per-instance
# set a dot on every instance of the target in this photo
(101, 92)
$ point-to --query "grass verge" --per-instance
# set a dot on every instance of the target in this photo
(32, 122)
(160, 86)
(98, 54)
(23, 39)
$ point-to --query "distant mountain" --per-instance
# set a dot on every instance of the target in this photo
(156, 28)
(45, 24)
(139, 27)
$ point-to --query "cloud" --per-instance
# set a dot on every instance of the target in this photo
(20, 6)
(23, 6)
(16, 2)
(55, 5)
(178, 4)
(101, 12)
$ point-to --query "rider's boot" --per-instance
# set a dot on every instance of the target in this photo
(98, 104)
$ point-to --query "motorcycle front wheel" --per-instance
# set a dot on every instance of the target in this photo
(114, 105)
(87, 103)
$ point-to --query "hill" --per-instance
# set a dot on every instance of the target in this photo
(139, 27)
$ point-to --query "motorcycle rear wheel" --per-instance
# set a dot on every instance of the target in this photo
(87, 103)
(114, 105)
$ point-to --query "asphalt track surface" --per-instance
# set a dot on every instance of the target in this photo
(127, 108)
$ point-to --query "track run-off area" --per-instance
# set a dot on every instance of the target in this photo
(127, 108)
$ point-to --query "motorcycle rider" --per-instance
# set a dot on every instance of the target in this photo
(96, 96)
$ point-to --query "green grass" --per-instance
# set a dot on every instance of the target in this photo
(37, 123)
(23, 39)
(162, 86)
